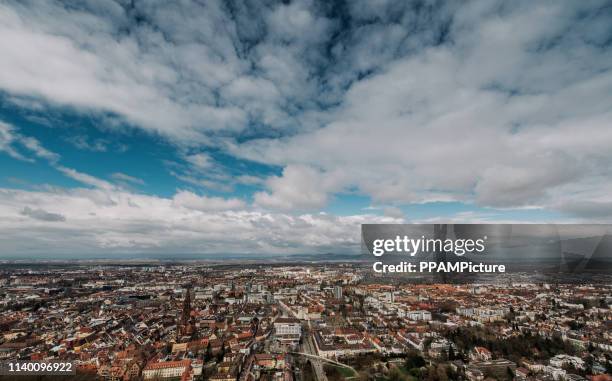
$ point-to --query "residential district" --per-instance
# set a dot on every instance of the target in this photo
(198, 321)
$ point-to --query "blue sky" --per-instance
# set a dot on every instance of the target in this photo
(279, 127)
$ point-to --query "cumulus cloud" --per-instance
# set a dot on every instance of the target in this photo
(89, 66)
(191, 200)
(118, 221)
(393, 211)
(203, 171)
(42, 215)
(506, 115)
(184, 70)
(200, 160)
(299, 187)
(500, 104)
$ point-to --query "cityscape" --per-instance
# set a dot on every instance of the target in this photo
(305, 190)
(298, 321)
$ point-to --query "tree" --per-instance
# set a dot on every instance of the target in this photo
(441, 374)
(451, 354)
(396, 375)
(449, 306)
(209, 354)
(510, 373)
(591, 347)
(414, 360)
(343, 310)
(221, 354)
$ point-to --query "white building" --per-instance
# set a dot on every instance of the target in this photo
(419, 315)
(167, 369)
(288, 331)
(338, 292)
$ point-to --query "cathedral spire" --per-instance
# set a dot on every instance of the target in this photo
(186, 307)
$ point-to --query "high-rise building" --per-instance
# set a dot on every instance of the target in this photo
(338, 292)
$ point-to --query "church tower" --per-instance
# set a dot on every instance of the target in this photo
(186, 308)
(186, 324)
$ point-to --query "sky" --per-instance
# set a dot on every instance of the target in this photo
(265, 128)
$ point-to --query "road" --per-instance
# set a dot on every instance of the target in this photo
(308, 347)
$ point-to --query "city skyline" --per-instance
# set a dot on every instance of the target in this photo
(306, 322)
(144, 129)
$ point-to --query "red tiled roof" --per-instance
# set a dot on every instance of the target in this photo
(168, 364)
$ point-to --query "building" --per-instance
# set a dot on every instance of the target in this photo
(167, 369)
(186, 324)
(480, 354)
(498, 369)
(288, 331)
(338, 292)
(419, 315)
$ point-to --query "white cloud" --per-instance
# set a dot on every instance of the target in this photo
(122, 177)
(249, 180)
(505, 119)
(40, 151)
(86, 66)
(42, 215)
(85, 178)
(394, 212)
(117, 221)
(299, 187)
(9, 138)
(200, 161)
(191, 200)
(83, 143)
(184, 70)
(504, 105)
